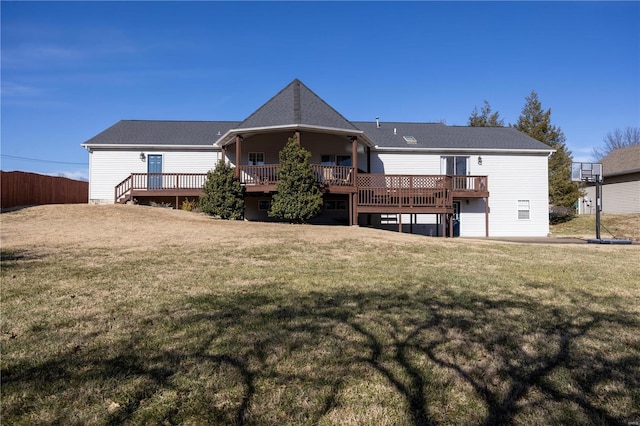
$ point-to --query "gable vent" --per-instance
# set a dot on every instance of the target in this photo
(410, 140)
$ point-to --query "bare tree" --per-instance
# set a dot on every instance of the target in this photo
(617, 139)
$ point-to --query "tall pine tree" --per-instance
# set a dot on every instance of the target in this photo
(298, 197)
(536, 122)
(486, 119)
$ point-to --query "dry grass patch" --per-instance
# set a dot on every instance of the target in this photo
(140, 315)
(612, 225)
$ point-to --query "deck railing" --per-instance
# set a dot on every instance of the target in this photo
(259, 175)
(378, 190)
(470, 183)
(373, 189)
(334, 175)
(159, 182)
(325, 175)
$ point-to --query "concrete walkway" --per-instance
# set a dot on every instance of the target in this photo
(542, 240)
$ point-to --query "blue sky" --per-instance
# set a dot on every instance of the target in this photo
(72, 69)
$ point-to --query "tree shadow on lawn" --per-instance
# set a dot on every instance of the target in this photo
(420, 357)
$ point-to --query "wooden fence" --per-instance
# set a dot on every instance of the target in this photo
(30, 189)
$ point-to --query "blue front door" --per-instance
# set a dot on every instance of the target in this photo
(154, 168)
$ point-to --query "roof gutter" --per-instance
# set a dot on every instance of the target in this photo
(468, 150)
(143, 146)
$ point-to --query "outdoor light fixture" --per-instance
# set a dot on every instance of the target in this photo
(142, 156)
(479, 160)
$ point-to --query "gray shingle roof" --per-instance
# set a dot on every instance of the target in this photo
(296, 104)
(621, 161)
(162, 133)
(437, 136)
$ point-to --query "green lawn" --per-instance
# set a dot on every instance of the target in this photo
(140, 315)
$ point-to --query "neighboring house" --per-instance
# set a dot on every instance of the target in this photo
(621, 183)
(424, 178)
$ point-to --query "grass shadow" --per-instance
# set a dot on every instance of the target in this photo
(449, 357)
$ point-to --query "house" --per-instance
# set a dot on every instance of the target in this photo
(620, 186)
(426, 178)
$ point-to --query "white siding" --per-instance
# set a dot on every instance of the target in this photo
(510, 178)
(617, 198)
(405, 163)
(107, 168)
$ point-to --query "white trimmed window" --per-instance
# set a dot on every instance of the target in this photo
(524, 210)
(256, 158)
(454, 165)
(388, 219)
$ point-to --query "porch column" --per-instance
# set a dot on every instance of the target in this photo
(298, 137)
(354, 174)
(354, 155)
(238, 155)
(224, 154)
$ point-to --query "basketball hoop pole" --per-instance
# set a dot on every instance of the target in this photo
(598, 205)
(592, 173)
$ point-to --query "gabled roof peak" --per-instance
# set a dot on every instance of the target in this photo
(296, 104)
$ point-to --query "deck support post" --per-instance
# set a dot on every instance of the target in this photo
(486, 217)
(400, 223)
(354, 210)
(443, 221)
(351, 209)
(450, 226)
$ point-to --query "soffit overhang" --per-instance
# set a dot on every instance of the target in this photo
(230, 136)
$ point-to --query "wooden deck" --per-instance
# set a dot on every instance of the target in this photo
(160, 185)
(371, 193)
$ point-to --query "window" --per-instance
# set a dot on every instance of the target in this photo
(256, 158)
(335, 160)
(388, 219)
(524, 210)
(335, 205)
(455, 165)
(264, 204)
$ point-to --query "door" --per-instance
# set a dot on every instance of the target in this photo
(455, 220)
(154, 169)
(458, 167)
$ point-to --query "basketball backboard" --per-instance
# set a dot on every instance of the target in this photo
(586, 172)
